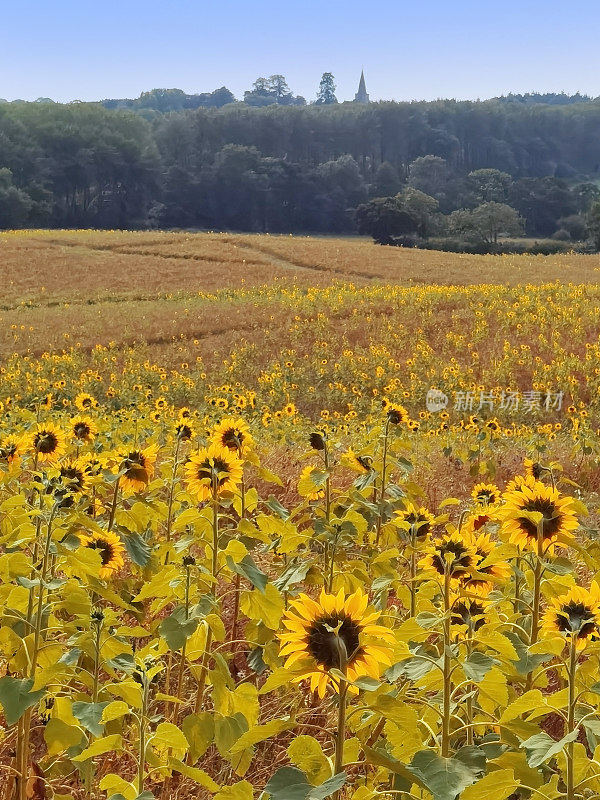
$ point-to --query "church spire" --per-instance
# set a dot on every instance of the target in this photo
(361, 96)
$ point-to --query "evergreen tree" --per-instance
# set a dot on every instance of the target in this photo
(326, 94)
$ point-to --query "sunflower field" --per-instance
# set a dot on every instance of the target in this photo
(267, 569)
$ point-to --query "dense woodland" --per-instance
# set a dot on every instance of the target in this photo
(291, 167)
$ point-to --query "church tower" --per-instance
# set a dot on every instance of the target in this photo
(361, 96)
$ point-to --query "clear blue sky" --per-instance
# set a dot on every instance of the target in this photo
(88, 50)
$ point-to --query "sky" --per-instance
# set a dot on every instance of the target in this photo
(91, 50)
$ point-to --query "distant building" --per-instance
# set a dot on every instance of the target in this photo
(361, 96)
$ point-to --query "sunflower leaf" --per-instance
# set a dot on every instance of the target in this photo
(137, 549)
(247, 569)
(16, 697)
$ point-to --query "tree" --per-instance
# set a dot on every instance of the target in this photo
(486, 222)
(386, 183)
(326, 94)
(420, 206)
(489, 185)
(15, 204)
(593, 221)
(383, 219)
(430, 174)
(272, 90)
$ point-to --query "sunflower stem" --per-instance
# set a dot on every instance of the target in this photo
(170, 502)
(383, 479)
(571, 717)
(341, 725)
(113, 508)
(447, 673)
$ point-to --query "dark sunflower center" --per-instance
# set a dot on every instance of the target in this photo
(45, 442)
(322, 639)
(550, 522)
(232, 438)
(218, 470)
(576, 618)
(73, 477)
(184, 431)
(486, 497)
(104, 548)
(8, 452)
(422, 522)
(81, 430)
(135, 467)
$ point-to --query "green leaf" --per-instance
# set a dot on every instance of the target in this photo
(497, 785)
(526, 662)
(274, 505)
(137, 549)
(199, 730)
(445, 778)
(306, 753)
(90, 716)
(258, 733)
(247, 569)
(107, 744)
(168, 736)
(289, 783)
(292, 575)
(60, 737)
(541, 747)
(477, 666)
(16, 698)
(176, 628)
(228, 730)
(239, 791)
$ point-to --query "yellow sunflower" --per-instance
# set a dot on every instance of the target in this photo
(419, 520)
(234, 434)
(450, 553)
(485, 494)
(576, 613)
(467, 614)
(110, 548)
(357, 463)
(532, 469)
(485, 565)
(83, 428)
(322, 635)
(85, 401)
(137, 468)
(11, 448)
(47, 442)
(521, 510)
(184, 431)
(214, 468)
(311, 483)
(73, 481)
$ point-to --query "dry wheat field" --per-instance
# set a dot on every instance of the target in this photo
(294, 518)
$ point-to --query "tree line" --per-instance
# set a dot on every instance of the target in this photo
(286, 167)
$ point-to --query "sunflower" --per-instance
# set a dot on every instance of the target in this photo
(419, 520)
(322, 634)
(234, 434)
(213, 467)
(529, 499)
(11, 448)
(533, 469)
(184, 431)
(488, 573)
(83, 428)
(47, 442)
(137, 468)
(72, 481)
(110, 548)
(450, 553)
(395, 413)
(357, 463)
(85, 401)
(311, 483)
(485, 494)
(467, 613)
(575, 613)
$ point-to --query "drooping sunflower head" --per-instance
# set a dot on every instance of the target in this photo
(450, 554)
(335, 632)
(47, 442)
(396, 414)
(109, 547)
(83, 428)
(233, 434)
(534, 510)
(137, 468)
(417, 522)
(212, 471)
(575, 614)
(485, 494)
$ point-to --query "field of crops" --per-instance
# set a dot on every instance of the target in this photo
(297, 518)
